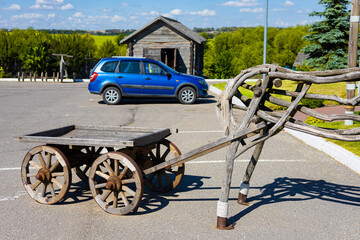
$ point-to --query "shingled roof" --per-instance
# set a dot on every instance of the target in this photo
(172, 24)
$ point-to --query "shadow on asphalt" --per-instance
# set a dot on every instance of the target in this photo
(281, 190)
(295, 189)
(125, 101)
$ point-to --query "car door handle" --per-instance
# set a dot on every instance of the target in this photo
(147, 78)
(120, 77)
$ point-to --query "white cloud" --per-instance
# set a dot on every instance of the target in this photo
(28, 16)
(176, 12)
(241, 3)
(117, 18)
(67, 7)
(251, 10)
(289, 3)
(42, 6)
(78, 15)
(13, 7)
(51, 4)
(51, 15)
(124, 4)
(205, 12)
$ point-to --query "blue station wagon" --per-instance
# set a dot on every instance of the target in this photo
(119, 77)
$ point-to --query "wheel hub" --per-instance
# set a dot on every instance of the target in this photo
(43, 175)
(114, 184)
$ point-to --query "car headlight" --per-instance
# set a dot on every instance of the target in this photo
(202, 81)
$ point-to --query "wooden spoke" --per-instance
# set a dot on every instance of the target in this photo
(57, 174)
(53, 167)
(57, 183)
(152, 175)
(91, 154)
(108, 168)
(46, 175)
(31, 175)
(124, 189)
(35, 165)
(103, 175)
(52, 190)
(165, 154)
(48, 160)
(157, 151)
(115, 200)
(123, 197)
(116, 168)
(128, 190)
(173, 175)
(127, 181)
(42, 161)
(100, 185)
(167, 178)
(123, 172)
(44, 190)
(105, 195)
(159, 179)
(152, 156)
(37, 183)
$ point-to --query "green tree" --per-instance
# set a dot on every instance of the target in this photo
(37, 54)
(287, 44)
(81, 46)
(329, 38)
(108, 49)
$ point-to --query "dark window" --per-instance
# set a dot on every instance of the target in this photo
(109, 66)
(129, 67)
(154, 69)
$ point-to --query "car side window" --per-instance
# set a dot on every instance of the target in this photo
(109, 66)
(129, 67)
(154, 69)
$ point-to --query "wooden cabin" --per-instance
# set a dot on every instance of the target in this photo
(167, 40)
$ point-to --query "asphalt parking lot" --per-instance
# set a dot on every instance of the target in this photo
(297, 192)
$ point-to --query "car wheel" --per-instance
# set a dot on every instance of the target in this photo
(187, 95)
(111, 96)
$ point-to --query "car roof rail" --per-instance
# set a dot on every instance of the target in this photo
(127, 57)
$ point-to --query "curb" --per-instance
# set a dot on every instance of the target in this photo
(338, 153)
(39, 80)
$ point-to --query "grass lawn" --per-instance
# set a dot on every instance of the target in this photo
(328, 89)
(353, 147)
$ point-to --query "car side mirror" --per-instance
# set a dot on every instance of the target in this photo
(168, 74)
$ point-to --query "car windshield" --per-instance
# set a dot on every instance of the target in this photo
(168, 68)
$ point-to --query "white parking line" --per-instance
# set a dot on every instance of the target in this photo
(209, 131)
(247, 160)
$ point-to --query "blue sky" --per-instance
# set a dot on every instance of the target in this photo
(132, 14)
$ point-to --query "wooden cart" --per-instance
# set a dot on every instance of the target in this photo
(116, 161)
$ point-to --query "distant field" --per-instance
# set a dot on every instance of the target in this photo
(99, 40)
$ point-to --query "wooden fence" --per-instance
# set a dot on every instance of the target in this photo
(56, 77)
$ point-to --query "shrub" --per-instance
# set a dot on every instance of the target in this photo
(312, 103)
(312, 120)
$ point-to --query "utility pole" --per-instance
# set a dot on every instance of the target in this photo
(352, 54)
(265, 33)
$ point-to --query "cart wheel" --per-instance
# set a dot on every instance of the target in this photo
(93, 152)
(113, 188)
(46, 174)
(166, 179)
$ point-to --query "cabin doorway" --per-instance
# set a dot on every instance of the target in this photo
(168, 56)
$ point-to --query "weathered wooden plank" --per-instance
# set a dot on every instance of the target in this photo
(208, 148)
(98, 136)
